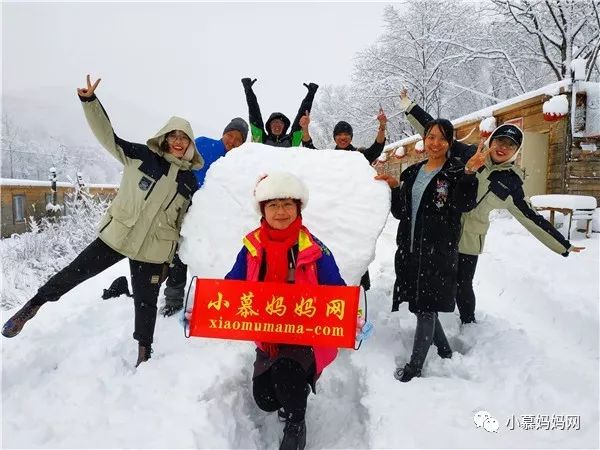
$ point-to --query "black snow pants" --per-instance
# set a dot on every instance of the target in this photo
(285, 385)
(465, 296)
(429, 330)
(95, 258)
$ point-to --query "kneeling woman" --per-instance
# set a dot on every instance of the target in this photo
(282, 250)
(429, 204)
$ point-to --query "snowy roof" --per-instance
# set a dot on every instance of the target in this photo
(550, 89)
(46, 183)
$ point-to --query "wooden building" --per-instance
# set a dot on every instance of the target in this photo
(558, 157)
(22, 199)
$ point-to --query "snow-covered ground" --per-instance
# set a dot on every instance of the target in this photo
(69, 381)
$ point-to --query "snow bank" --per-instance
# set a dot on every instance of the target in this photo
(347, 208)
(564, 201)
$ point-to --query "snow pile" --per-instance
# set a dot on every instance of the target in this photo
(590, 111)
(557, 106)
(533, 352)
(400, 152)
(578, 68)
(420, 146)
(487, 126)
(53, 208)
(383, 157)
(347, 208)
(29, 259)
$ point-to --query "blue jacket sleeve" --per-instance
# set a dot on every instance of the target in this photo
(328, 272)
(238, 271)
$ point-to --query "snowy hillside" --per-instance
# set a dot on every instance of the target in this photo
(69, 381)
(45, 128)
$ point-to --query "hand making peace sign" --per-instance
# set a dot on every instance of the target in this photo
(478, 159)
(89, 91)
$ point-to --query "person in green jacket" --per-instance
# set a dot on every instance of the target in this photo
(275, 131)
(141, 224)
(499, 186)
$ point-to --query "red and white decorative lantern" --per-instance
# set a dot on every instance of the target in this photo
(399, 153)
(556, 108)
(419, 147)
(382, 158)
(487, 126)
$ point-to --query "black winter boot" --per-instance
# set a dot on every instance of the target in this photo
(173, 299)
(406, 373)
(117, 288)
(144, 353)
(294, 436)
(444, 353)
(15, 324)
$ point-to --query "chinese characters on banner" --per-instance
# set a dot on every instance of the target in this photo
(275, 312)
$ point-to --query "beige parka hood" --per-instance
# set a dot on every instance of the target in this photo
(192, 155)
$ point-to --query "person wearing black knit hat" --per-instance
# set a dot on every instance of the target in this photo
(342, 127)
(342, 135)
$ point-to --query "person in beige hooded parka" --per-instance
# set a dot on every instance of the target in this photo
(142, 222)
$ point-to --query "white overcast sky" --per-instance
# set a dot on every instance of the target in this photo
(184, 59)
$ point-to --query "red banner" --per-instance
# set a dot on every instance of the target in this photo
(275, 312)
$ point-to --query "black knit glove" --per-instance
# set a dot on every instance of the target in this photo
(247, 82)
(312, 87)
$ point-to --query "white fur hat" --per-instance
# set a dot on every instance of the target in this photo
(280, 185)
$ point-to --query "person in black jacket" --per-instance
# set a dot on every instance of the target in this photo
(274, 132)
(499, 185)
(428, 205)
(342, 136)
(418, 118)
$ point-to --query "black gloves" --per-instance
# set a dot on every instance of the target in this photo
(247, 82)
(312, 87)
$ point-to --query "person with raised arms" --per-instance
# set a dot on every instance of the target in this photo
(141, 224)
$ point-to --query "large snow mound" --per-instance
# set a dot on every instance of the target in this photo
(347, 208)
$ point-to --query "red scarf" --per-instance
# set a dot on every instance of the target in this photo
(277, 244)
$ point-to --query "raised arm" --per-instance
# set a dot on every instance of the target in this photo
(99, 122)
(539, 227)
(257, 126)
(416, 115)
(306, 139)
(373, 152)
(305, 108)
